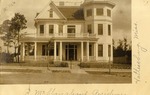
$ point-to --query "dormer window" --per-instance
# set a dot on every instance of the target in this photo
(61, 3)
(51, 12)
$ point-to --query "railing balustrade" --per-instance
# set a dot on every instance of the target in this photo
(65, 35)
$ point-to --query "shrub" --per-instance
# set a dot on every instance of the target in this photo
(61, 64)
(84, 65)
(6, 57)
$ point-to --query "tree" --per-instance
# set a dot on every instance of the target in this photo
(18, 23)
(8, 36)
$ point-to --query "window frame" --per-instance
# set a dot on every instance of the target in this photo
(109, 29)
(100, 29)
(100, 50)
(108, 12)
(51, 29)
(89, 28)
(42, 26)
(109, 50)
(99, 11)
(89, 12)
(71, 27)
(60, 28)
(51, 12)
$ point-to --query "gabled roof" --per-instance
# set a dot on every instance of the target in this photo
(66, 12)
(53, 6)
(72, 13)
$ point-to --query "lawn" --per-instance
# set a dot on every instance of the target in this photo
(104, 65)
(37, 64)
(64, 64)
(61, 78)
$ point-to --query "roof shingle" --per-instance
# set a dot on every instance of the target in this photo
(72, 13)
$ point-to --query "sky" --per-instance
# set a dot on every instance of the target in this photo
(121, 14)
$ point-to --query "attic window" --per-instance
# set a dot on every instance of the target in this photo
(61, 3)
(51, 13)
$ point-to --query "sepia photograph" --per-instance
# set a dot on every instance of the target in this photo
(65, 42)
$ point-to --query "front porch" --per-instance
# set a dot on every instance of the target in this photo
(59, 51)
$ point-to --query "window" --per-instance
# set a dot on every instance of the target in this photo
(89, 12)
(60, 28)
(89, 28)
(100, 50)
(109, 29)
(99, 11)
(41, 29)
(100, 29)
(90, 50)
(51, 29)
(109, 50)
(43, 50)
(49, 51)
(51, 13)
(109, 12)
(29, 49)
(61, 3)
(71, 30)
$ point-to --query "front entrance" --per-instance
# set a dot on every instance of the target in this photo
(71, 52)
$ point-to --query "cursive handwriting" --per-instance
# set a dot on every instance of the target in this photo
(137, 56)
(54, 91)
(108, 92)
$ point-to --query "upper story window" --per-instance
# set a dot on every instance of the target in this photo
(89, 12)
(51, 29)
(109, 29)
(41, 29)
(89, 28)
(71, 28)
(100, 29)
(60, 29)
(100, 50)
(51, 12)
(99, 11)
(109, 12)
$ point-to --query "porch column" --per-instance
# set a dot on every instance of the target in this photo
(60, 50)
(54, 50)
(81, 51)
(35, 49)
(23, 51)
(87, 51)
(95, 51)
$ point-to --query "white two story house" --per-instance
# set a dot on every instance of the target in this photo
(78, 33)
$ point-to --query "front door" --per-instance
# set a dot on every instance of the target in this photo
(71, 52)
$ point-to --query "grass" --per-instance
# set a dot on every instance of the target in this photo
(120, 74)
(105, 65)
(63, 64)
(21, 70)
(36, 64)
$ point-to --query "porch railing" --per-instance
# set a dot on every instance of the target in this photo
(41, 58)
(65, 35)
